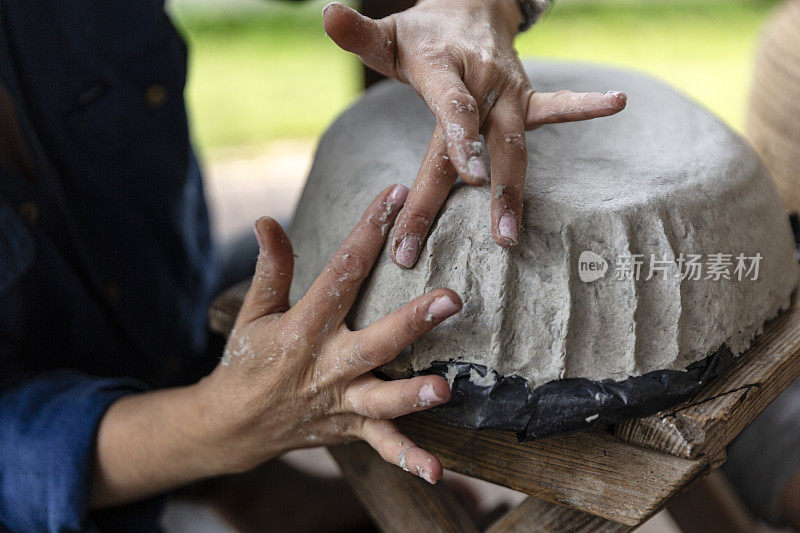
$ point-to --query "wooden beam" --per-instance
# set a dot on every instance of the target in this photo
(534, 515)
(709, 422)
(396, 500)
(589, 471)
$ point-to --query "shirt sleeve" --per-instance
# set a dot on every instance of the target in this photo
(47, 430)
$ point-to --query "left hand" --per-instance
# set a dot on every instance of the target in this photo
(459, 56)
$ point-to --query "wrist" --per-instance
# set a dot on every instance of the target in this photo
(227, 435)
(155, 441)
(218, 429)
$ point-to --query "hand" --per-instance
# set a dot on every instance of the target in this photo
(298, 377)
(459, 56)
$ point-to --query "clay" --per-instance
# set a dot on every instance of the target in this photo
(664, 177)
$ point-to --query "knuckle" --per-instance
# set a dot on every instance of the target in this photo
(516, 83)
(509, 196)
(514, 144)
(349, 265)
(341, 401)
(489, 77)
(419, 322)
(485, 64)
(378, 220)
(454, 90)
(417, 221)
(461, 102)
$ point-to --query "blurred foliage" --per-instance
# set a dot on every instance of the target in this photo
(269, 72)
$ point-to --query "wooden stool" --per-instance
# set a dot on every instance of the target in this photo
(610, 480)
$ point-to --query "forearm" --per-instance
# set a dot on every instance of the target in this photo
(152, 442)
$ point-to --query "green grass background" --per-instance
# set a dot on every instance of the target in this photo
(269, 72)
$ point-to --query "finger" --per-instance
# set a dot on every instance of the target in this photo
(397, 449)
(385, 339)
(458, 115)
(329, 299)
(372, 40)
(269, 289)
(567, 106)
(508, 152)
(429, 192)
(374, 398)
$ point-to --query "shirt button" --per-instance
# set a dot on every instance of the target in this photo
(111, 291)
(155, 95)
(30, 211)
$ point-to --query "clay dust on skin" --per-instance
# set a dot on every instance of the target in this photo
(239, 347)
(421, 472)
(386, 217)
(587, 106)
(517, 139)
(401, 459)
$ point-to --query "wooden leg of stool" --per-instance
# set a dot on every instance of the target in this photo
(396, 500)
(544, 517)
(711, 506)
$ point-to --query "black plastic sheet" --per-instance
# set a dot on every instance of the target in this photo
(482, 399)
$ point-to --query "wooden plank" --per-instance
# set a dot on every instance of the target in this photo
(709, 421)
(544, 517)
(396, 500)
(590, 471)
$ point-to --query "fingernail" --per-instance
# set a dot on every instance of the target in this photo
(257, 229)
(428, 396)
(398, 196)
(619, 97)
(442, 307)
(478, 169)
(425, 475)
(324, 9)
(406, 253)
(508, 227)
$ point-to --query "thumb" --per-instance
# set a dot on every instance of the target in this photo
(372, 40)
(269, 290)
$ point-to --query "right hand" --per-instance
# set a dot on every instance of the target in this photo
(295, 377)
(459, 56)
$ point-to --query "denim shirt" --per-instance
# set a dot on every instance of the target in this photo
(106, 264)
